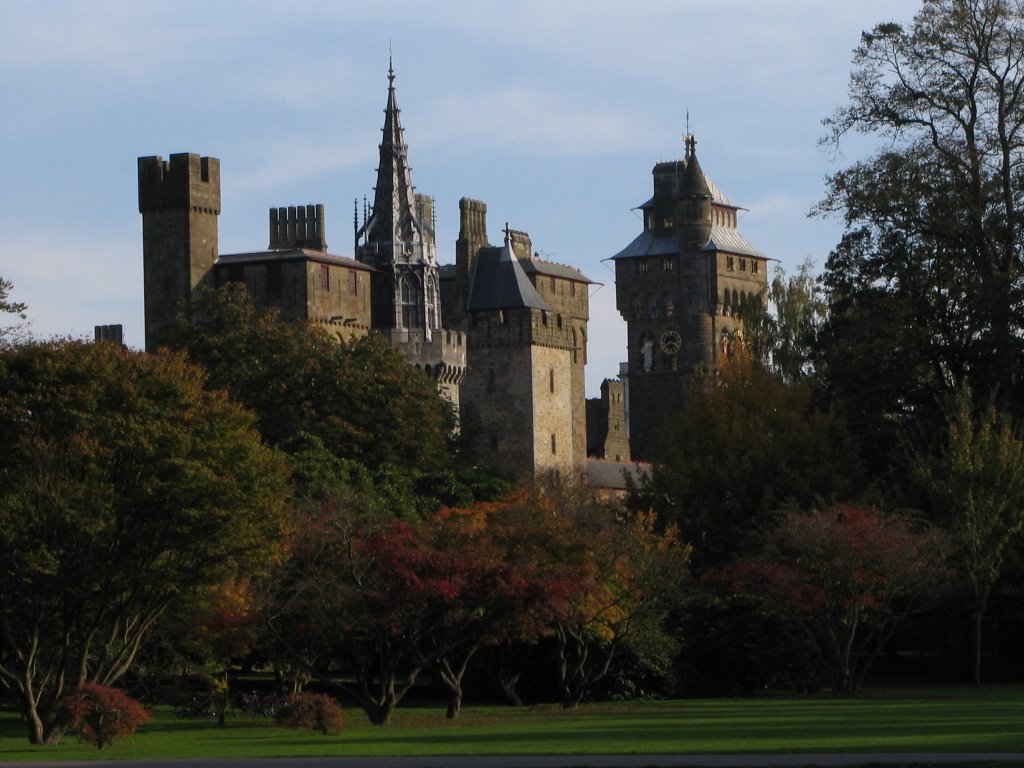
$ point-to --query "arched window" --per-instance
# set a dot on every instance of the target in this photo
(726, 303)
(412, 302)
(668, 304)
(652, 306)
(637, 306)
(735, 300)
(433, 302)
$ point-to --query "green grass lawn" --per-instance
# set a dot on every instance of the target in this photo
(989, 719)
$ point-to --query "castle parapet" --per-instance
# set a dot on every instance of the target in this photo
(183, 182)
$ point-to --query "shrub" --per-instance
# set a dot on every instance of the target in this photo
(315, 711)
(100, 714)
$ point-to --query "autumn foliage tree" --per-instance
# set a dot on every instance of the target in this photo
(848, 576)
(126, 489)
(100, 714)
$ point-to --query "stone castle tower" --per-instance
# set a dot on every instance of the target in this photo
(179, 200)
(678, 285)
(525, 322)
(396, 239)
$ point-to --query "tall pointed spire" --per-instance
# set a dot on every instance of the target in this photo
(397, 237)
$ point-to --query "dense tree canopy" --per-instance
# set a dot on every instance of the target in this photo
(125, 487)
(743, 447)
(925, 289)
(359, 398)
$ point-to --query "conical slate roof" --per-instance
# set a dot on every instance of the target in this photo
(499, 282)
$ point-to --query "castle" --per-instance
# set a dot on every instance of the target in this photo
(502, 332)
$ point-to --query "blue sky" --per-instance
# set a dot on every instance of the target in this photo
(553, 113)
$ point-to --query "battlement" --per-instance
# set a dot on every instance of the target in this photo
(183, 182)
(442, 357)
(298, 227)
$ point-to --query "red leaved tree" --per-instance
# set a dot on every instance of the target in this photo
(101, 714)
(848, 576)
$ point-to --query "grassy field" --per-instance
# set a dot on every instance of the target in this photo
(988, 719)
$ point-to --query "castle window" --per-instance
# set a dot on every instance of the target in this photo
(554, 285)
(558, 321)
(572, 288)
(726, 305)
(743, 265)
(637, 306)
(652, 307)
(641, 265)
(666, 264)
(554, 445)
(755, 267)
(353, 283)
(668, 304)
(544, 317)
(412, 306)
(325, 278)
(730, 262)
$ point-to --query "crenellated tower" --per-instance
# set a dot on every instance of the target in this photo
(179, 200)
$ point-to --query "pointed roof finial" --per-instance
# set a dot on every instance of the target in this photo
(391, 68)
(508, 236)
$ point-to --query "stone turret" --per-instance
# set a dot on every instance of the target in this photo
(179, 200)
(694, 202)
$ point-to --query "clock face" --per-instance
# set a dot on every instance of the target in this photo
(671, 342)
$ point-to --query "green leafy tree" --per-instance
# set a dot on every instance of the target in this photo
(359, 398)
(974, 483)
(744, 447)
(9, 306)
(126, 488)
(925, 288)
(782, 335)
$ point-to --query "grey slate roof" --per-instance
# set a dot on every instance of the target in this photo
(731, 241)
(717, 196)
(290, 254)
(611, 474)
(540, 266)
(722, 239)
(499, 282)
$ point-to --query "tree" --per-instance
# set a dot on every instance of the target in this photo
(359, 398)
(974, 482)
(925, 289)
(848, 576)
(782, 335)
(10, 307)
(125, 488)
(745, 446)
(101, 714)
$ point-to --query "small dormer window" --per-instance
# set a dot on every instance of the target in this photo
(730, 263)
(755, 267)
(743, 265)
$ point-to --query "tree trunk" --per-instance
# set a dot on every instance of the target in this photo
(976, 624)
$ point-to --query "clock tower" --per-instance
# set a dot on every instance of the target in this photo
(678, 285)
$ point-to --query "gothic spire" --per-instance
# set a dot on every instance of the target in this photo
(394, 226)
